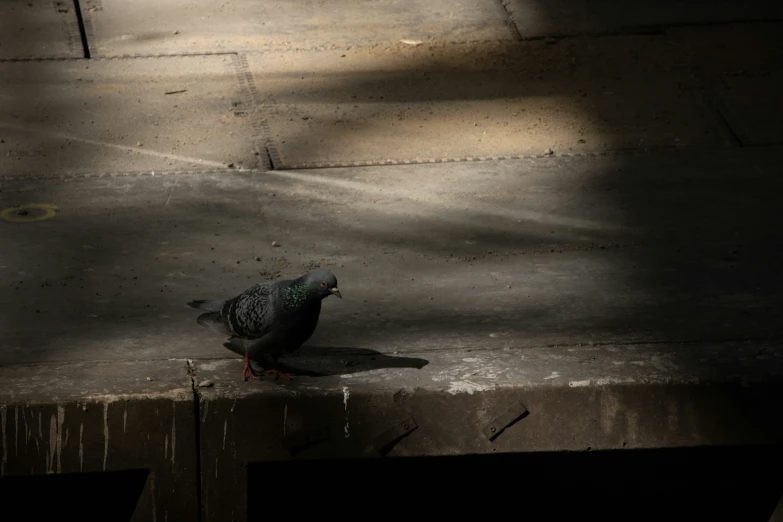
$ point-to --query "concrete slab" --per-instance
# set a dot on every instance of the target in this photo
(488, 402)
(753, 107)
(99, 417)
(406, 103)
(39, 29)
(615, 249)
(117, 27)
(725, 50)
(142, 115)
(572, 17)
(741, 71)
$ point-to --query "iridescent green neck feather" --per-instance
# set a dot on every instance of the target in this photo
(295, 296)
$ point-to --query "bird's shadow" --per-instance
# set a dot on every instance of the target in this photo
(321, 361)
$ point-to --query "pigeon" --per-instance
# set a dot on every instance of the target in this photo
(269, 319)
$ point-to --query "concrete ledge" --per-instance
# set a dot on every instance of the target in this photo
(100, 417)
(483, 402)
(40, 30)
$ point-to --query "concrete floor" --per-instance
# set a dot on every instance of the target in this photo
(509, 196)
(490, 255)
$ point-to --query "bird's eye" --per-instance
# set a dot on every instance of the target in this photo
(323, 283)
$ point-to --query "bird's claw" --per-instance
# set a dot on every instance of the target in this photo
(247, 371)
(249, 375)
(278, 374)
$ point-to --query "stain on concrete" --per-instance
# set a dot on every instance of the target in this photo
(105, 433)
(346, 396)
(3, 411)
(81, 446)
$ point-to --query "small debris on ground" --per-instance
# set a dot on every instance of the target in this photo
(275, 244)
(206, 384)
(548, 152)
(414, 43)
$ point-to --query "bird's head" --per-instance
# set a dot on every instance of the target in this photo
(322, 283)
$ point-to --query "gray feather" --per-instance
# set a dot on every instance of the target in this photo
(251, 313)
(210, 306)
(214, 322)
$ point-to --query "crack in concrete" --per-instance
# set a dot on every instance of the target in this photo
(197, 434)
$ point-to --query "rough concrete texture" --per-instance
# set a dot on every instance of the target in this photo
(152, 27)
(101, 416)
(107, 116)
(400, 102)
(483, 255)
(39, 29)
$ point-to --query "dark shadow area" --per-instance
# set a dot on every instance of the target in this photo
(688, 484)
(314, 361)
(579, 17)
(323, 361)
(107, 496)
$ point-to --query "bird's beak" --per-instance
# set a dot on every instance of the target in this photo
(336, 291)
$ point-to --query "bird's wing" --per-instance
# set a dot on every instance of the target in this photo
(251, 314)
(214, 322)
(209, 305)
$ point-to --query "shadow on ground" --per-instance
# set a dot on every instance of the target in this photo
(632, 250)
(314, 361)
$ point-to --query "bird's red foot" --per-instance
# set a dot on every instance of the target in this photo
(247, 371)
(278, 374)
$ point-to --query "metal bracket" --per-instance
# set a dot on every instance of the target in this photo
(299, 441)
(516, 412)
(384, 442)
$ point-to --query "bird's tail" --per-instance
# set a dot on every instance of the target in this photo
(213, 321)
(210, 306)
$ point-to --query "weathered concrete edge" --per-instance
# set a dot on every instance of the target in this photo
(470, 371)
(105, 416)
(716, 394)
(663, 395)
(45, 383)
(568, 398)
